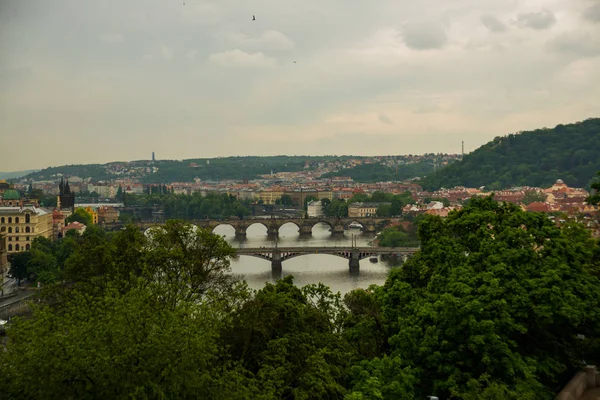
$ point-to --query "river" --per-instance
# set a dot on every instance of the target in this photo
(313, 268)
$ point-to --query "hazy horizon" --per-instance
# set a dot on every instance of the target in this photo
(93, 82)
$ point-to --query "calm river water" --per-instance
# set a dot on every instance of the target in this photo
(313, 268)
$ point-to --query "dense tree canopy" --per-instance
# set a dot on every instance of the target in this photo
(568, 152)
(490, 308)
(194, 206)
(493, 302)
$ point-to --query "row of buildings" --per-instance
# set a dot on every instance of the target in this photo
(22, 219)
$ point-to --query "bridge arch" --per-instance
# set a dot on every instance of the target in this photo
(224, 228)
(290, 224)
(259, 223)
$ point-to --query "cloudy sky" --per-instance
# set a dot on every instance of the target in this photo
(97, 81)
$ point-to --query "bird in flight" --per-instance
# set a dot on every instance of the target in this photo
(253, 18)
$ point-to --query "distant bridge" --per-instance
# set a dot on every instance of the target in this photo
(305, 225)
(277, 255)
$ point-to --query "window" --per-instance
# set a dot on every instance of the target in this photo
(17, 247)
(16, 220)
(2, 220)
(10, 247)
(32, 229)
(10, 238)
(9, 229)
(16, 229)
(27, 247)
(27, 229)
(2, 228)
(27, 218)
(16, 238)
(10, 220)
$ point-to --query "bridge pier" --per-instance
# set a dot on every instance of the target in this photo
(354, 262)
(369, 228)
(337, 229)
(273, 231)
(276, 264)
(305, 230)
(240, 231)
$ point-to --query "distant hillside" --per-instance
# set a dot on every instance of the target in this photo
(536, 158)
(96, 171)
(162, 171)
(15, 174)
(380, 173)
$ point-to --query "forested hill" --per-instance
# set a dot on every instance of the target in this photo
(381, 173)
(534, 158)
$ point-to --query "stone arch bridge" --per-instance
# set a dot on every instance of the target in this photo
(305, 225)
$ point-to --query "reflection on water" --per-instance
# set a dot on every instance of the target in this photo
(312, 268)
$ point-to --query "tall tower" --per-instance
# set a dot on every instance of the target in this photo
(153, 159)
(463, 147)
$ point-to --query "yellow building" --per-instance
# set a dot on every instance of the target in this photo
(93, 213)
(23, 224)
(270, 196)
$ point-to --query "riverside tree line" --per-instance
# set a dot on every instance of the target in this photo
(490, 308)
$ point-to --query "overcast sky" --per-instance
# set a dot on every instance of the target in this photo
(97, 81)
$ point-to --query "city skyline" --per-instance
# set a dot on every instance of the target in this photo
(99, 82)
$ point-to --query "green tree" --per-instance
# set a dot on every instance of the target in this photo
(594, 198)
(384, 210)
(494, 301)
(533, 196)
(286, 200)
(284, 338)
(18, 265)
(80, 215)
(119, 195)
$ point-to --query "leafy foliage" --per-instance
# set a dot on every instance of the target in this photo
(494, 302)
(80, 215)
(194, 206)
(595, 186)
(568, 152)
(398, 236)
(490, 308)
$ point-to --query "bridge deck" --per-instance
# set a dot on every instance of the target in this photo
(325, 249)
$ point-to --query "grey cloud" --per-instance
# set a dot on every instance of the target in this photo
(492, 23)
(385, 119)
(576, 43)
(424, 36)
(592, 14)
(135, 90)
(536, 20)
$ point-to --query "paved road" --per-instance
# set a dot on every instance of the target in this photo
(23, 294)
